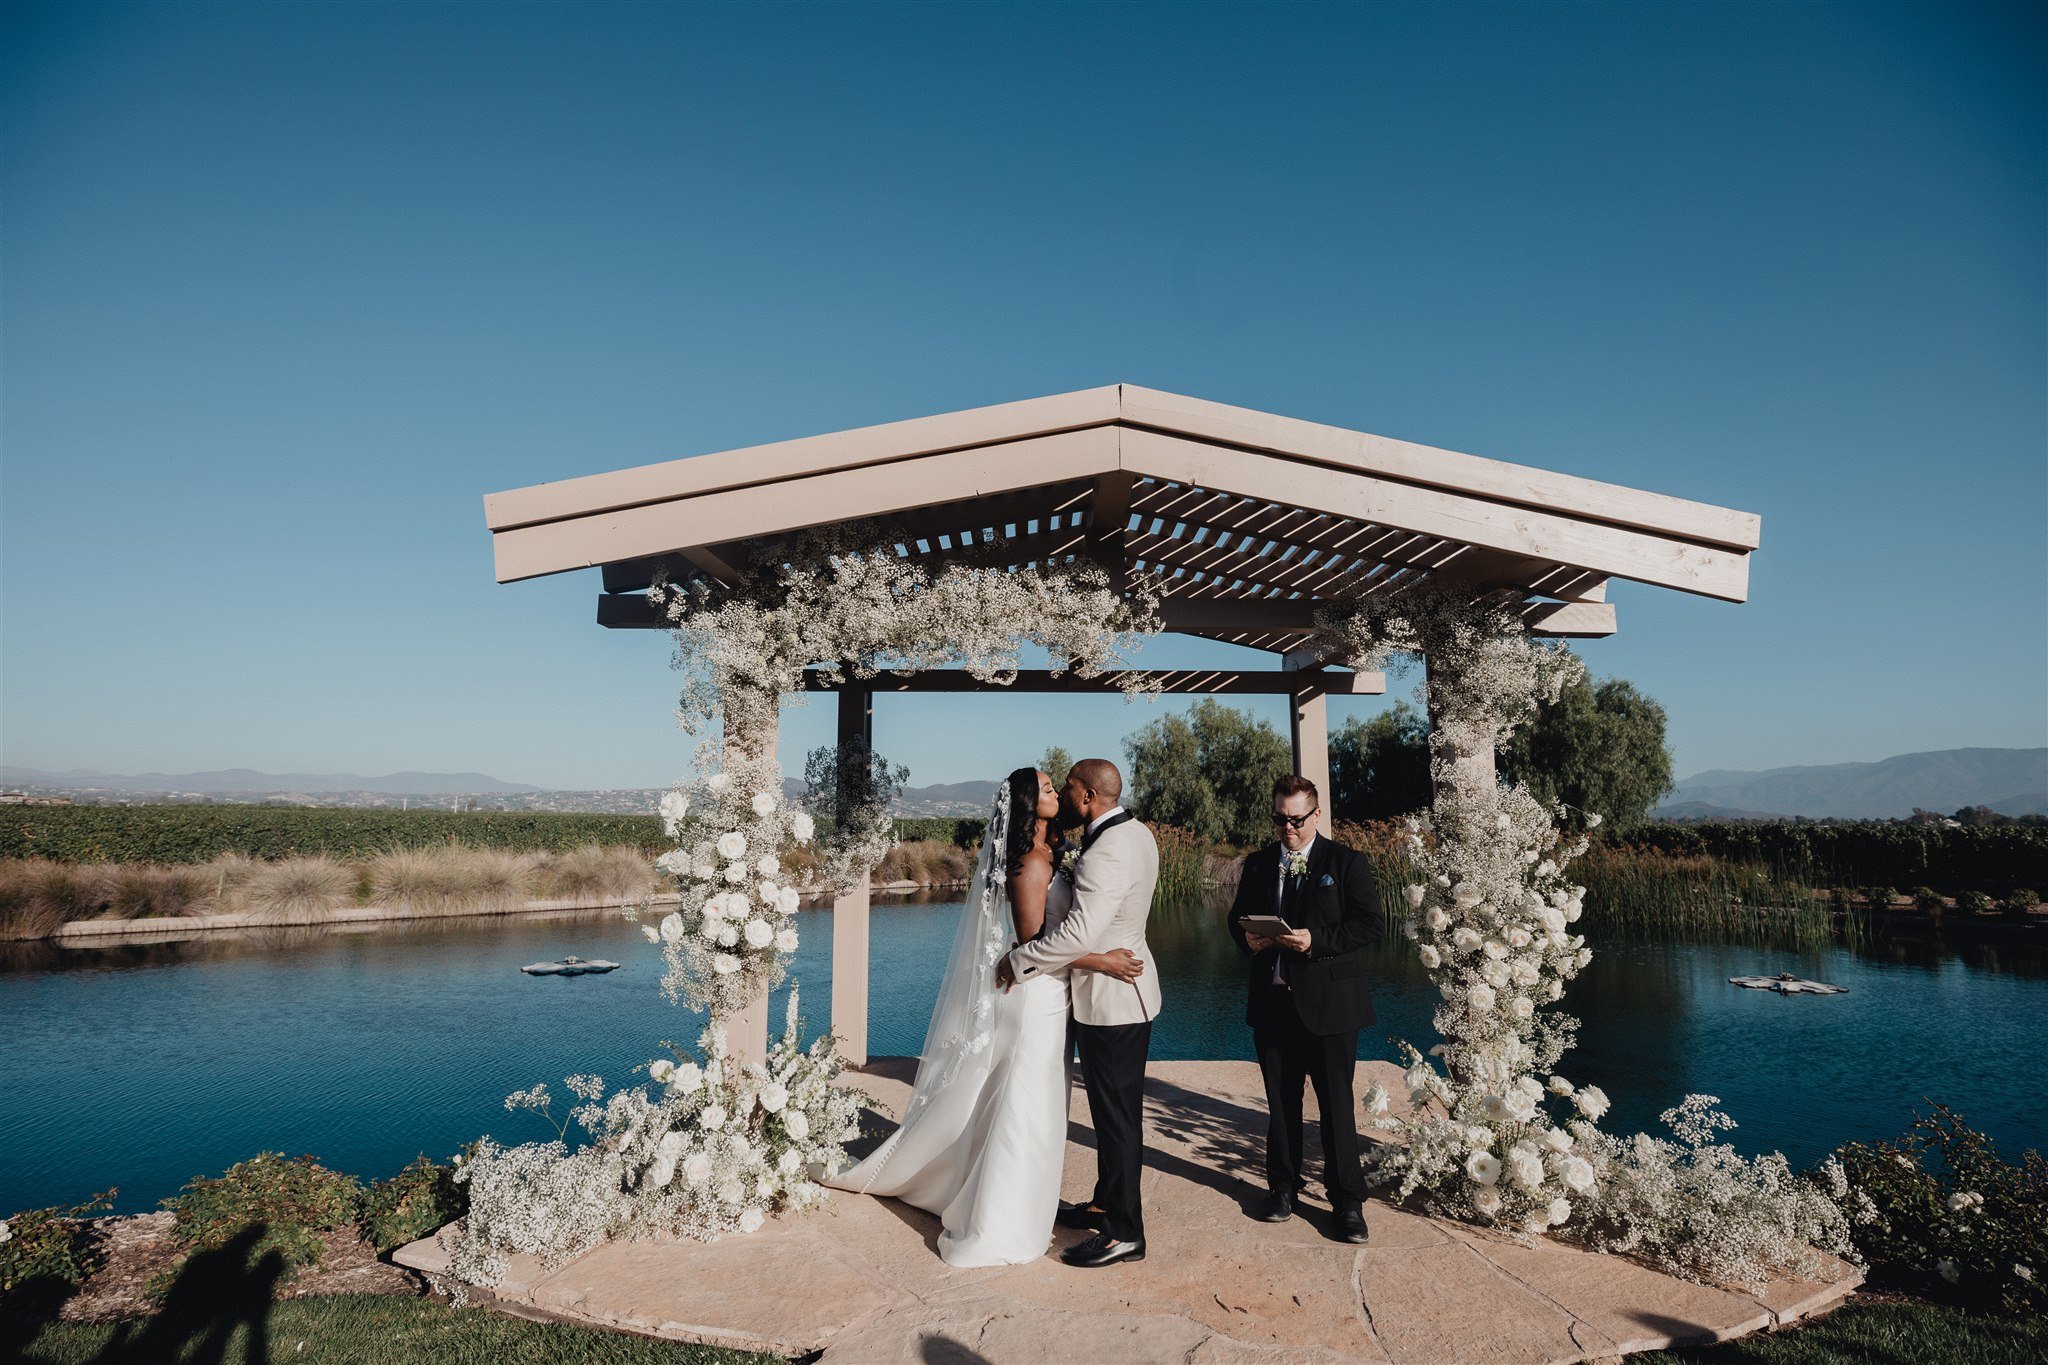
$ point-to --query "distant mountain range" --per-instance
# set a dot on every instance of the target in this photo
(247, 780)
(2009, 781)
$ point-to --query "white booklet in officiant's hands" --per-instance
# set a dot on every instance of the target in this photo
(1265, 926)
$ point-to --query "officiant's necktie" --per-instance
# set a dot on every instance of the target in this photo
(1290, 885)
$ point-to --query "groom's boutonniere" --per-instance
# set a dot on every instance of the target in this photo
(1067, 855)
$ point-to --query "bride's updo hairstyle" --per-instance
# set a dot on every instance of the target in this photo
(1023, 818)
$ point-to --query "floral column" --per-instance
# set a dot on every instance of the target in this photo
(750, 721)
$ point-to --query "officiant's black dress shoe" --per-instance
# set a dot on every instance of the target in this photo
(1349, 1226)
(1079, 1216)
(1277, 1208)
(1102, 1250)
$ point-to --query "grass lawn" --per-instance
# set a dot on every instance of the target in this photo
(1881, 1333)
(357, 1329)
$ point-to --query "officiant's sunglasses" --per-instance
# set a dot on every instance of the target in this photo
(1295, 821)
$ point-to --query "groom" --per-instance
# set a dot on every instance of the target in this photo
(1112, 883)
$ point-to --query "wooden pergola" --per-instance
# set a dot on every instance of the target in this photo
(1242, 521)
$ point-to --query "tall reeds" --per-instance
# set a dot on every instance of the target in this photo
(1183, 865)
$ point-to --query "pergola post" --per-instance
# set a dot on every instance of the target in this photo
(1467, 771)
(746, 1033)
(1308, 727)
(850, 910)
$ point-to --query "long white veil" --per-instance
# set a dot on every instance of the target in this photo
(956, 1057)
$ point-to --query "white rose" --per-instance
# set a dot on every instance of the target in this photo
(1593, 819)
(661, 1071)
(1518, 937)
(764, 803)
(1531, 1087)
(674, 806)
(1494, 974)
(713, 1117)
(759, 935)
(710, 925)
(773, 1097)
(788, 901)
(768, 865)
(769, 892)
(1537, 1220)
(1592, 1101)
(741, 1149)
(1578, 1173)
(706, 869)
(1524, 972)
(1376, 1100)
(1464, 939)
(1431, 958)
(665, 1153)
(1526, 1167)
(1557, 1139)
(764, 1186)
(1519, 1106)
(1523, 1008)
(1414, 892)
(1496, 950)
(795, 1124)
(688, 1078)
(697, 1168)
(1483, 1167)
(751, 1220)
(717, 782)
(725, 964)
(785, 942)
(1560, 1210)
(1585, 956)
(675, 862)
(1436, 919)
(672, 927)
(789, 1161)
(732, 844)
(800, 827)
(732, 1192)
(1948, 1271)
(1480, 998)
(728, 936)
(652, 934)
(735, 874)
(1560, 1086)
(1487, 1201)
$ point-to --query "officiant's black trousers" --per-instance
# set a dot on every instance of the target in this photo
(1113, 1070)
(1288, 1055)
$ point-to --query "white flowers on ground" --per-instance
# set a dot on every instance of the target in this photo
(1486, 1200)
(1526, 1167)
(697, 1168)
(751, 1220)
(6, 1233)
(1577, 1173)
(1483, 1167)
(1967, 1199)
(1560, 1211)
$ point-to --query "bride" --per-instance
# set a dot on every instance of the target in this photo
(984, 1135)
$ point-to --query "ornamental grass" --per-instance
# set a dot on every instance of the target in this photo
(592, 873)
(301, 889)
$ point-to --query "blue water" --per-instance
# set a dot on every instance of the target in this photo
(144, 1066)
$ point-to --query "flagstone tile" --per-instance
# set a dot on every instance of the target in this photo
(1789, 1300)
(1446, 1305)
(1636, 1308)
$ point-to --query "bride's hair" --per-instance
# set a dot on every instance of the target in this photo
(1019, 837)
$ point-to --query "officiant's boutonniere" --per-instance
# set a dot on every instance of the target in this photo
(1294, 861)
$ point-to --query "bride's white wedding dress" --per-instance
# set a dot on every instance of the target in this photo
(984, 1134)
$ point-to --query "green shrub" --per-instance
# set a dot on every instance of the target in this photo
(1974, 903)
(46, 1252)
(2019, 901)
(1941, 1212)
(1879, 897)
(411, 1204)
(292, 1200)
(1929, 902)
(1841, 900)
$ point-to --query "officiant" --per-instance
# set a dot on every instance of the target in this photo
(1308, 996)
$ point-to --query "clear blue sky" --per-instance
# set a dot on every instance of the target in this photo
(287, 288)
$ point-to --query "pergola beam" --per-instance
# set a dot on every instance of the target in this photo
(1190, 681)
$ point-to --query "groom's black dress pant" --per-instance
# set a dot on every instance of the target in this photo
(1288, 1055)
(1113, 1070)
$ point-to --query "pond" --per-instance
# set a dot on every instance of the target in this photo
(144, 1065)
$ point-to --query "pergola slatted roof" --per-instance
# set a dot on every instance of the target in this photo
(1241, 520)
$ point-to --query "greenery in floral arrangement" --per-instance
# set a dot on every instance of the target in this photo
(719, 1148)
(44, 1252)
(420, 1198)
(1940, 1211)
(293, 1199)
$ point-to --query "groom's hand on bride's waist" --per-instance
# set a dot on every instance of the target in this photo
(1006, 975)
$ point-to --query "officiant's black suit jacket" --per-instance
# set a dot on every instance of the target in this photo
(1339, 904)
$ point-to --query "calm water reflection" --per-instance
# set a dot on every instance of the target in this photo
(143, 1065)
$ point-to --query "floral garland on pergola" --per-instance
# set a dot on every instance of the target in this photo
(1498, 1135)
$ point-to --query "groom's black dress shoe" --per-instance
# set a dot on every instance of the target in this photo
(1277, 1208)
(1349, 1226)
(1079, 1216)
(1102, 1250)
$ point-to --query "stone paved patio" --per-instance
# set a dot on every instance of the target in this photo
(861, 1281)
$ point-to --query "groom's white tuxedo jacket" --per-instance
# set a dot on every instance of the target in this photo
(1113, 883)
